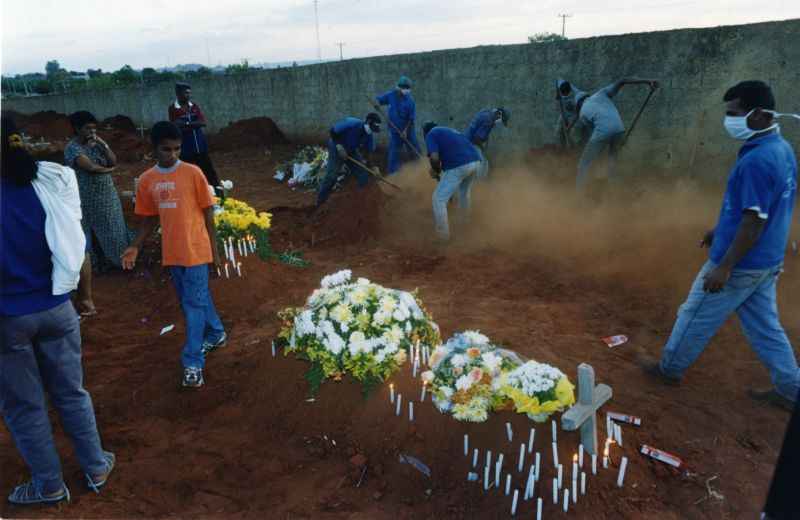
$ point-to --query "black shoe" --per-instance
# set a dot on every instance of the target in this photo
(652, 367)
(772, 397)
(209, 346)
(193, 377)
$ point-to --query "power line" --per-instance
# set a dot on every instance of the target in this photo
(341, 55)
(316, 21)
(564, 23)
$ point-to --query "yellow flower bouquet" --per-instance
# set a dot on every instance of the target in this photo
(537, 389)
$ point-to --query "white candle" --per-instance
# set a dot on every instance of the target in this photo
(531, 438)
(622, 467)
(575, 491)
(273, 349)
(605, 454)
(410, 411)
(466, 444)
(580, 455)
(514, 502)
(555, 455)
(498, 468)
(583, 482)
(501, 458)
(574, 467)
(227, 274)
(566, 500)
(475, 458)
(560, 476)
(424, 389)
(225, 247)
(529, 485)
(618, 433)
(239, 269)
(391, 393)
(594, 463)
(555, 434)
(538, 460)
(555, 491)
(508, 483)
(609, 427)
(509, 432)
(399, 404)
(539, 509)
(521, 457)
(219, 274)
(488, 458)
(486, 478)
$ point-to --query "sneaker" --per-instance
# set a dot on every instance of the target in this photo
(28, 494)
(652, 367)
(193, 377)
(210, 346)
(772, 397)
(96, 482)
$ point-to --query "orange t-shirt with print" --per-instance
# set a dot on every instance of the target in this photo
(179, 196)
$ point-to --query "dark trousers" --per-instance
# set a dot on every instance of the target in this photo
(333, 166)
(203, 161)
(782, 503)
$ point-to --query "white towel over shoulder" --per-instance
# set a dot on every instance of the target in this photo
(57, 189)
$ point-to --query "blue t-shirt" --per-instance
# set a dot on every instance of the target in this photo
(764, 179)
(481, 126)
(402, 109)
(26, 270)
(350, 133)
(453, 147)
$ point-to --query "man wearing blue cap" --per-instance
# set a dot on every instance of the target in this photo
(479, 129)
(402, 113)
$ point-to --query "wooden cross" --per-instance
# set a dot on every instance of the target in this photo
(583, 414)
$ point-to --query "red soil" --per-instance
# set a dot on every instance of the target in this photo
(256, 131)
(533, 271)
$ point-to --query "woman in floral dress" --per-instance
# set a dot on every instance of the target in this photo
(103, 221)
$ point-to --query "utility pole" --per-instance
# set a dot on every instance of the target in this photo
(564, 23)
(341, 55)
(316, 21)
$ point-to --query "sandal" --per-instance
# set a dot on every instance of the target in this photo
(29, 494)
(96, 482)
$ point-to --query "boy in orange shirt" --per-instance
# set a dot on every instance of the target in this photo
(175, 194)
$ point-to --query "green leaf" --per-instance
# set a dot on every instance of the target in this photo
(315, 376)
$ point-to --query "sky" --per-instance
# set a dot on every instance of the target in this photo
(108, 34)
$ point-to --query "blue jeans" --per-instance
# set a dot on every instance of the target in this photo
(396, 147)
(594, 147)
(42, 352)
(334, 165)
(202, 321)
(456, 180)
(483, 171)
(751, 294)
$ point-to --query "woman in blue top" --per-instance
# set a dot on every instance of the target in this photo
(40, 338)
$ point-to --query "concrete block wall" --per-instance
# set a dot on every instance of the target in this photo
(680, 132)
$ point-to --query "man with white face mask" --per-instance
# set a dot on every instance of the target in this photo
(746, 253)
(479, 130)
(402, 114)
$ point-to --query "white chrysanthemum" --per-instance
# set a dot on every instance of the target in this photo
(334, 343)
(331, 297)
(428, 376)
(342, 313)
(464, 382)
(380, 318)
(358, 343)
(491, 361)
(332, 280)
(401, 313)
(475, 338)
(323, 313)
(359, 296)
(315, 298)
(458, 360)
(387, 304)
(393, 335)
(304, 323)
(363, 281)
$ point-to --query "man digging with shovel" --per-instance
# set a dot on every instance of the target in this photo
(347, 138)
(599, 115)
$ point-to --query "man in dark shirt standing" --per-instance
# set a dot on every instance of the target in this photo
(190, 119)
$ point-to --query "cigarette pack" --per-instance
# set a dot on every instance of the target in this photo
(615, 341)
(663, 456)
(627, 419)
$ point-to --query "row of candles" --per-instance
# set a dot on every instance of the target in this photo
(246, 246)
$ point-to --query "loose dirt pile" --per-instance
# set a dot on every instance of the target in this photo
(257, 131)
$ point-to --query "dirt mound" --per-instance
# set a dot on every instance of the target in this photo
(352, 215)
(49, 125)
(119, 122)
(256, 131)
